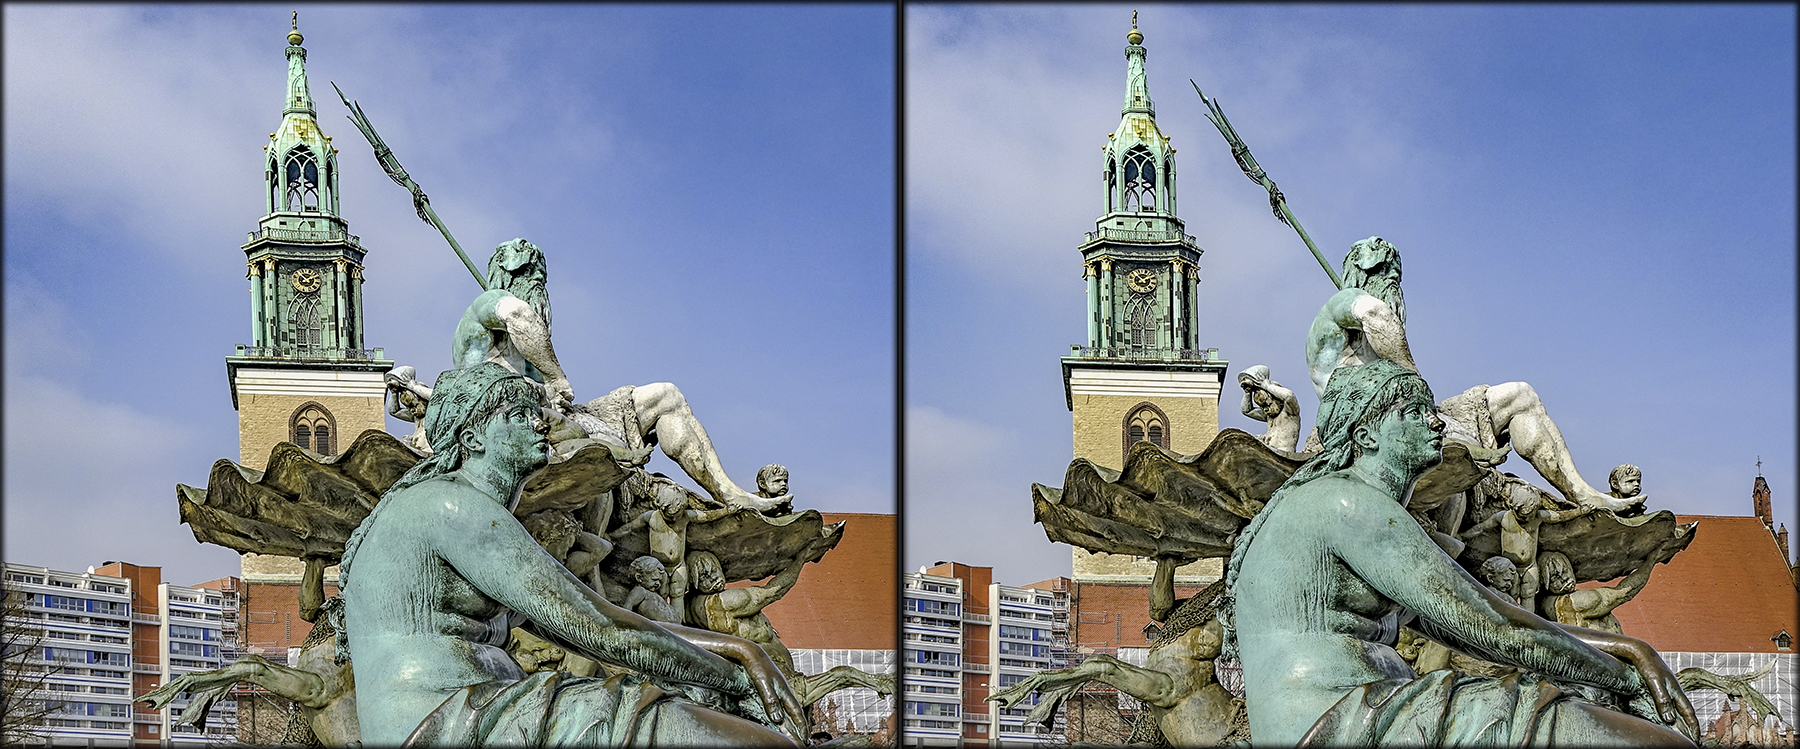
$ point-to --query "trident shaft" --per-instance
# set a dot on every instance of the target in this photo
(1254, 171)
(385, 157)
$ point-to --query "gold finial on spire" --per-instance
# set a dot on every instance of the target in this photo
(1135, 37)
(294, 37)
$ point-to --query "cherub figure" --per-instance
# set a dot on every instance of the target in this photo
(646, 598)
(1267, 401)
(667, 525)
(1627, 482)
(772, 482)
(738, 611)
(1502, 575)
(1519, 523)
(1593, 607)
(406, 399)
(562, 535)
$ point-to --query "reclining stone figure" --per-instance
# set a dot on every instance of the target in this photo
(509, 325)
(1366, 321)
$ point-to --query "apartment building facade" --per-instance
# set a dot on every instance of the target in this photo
(965, 637)
(110, 634)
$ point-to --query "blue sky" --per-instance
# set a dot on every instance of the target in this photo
(713, 186)
(1597, 200)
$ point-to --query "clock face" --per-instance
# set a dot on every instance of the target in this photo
(1142, 280)
(306, 280)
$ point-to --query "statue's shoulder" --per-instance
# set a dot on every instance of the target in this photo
(1330, 497)
(435, 495)
(484, 304)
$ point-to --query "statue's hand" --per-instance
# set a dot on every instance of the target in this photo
(1668, 704)
(760, 676)
(561, 395)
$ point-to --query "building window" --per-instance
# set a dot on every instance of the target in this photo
(1146, 423)
(302, 180)
(309, 324)
(1140, 321)
(313, 428)
(1783, 641)
(1140, 180)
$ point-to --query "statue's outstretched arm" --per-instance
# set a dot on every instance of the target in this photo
(641, 521)
(1607, 599)
(1669, 701)
(1153, 687)
(1383, 546)
(1481, 527)
(755, 599)
(208, 687)
(491, 550)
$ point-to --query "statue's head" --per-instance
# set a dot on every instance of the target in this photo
(1376, 404)
(518, 266)
(1373, 265)
(707, 575)
(1522, 498)
(1500, 574)
(555, 530)
(1559, 575)
(669, 498)
(1626, 480)
(486, 405)
(649, 573)
(772, 480)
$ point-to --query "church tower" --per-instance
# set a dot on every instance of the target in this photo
(306, 376)
(1142, 374)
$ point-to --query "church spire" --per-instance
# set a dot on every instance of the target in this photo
(1140, 164)
(299, 99)
(1137, 86)
(302, 164)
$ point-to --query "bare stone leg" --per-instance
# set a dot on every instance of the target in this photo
(1520, 415)
(663, 410)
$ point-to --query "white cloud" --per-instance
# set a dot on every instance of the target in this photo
(100, 473)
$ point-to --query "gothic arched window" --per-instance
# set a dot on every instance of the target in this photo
(302, 175)
(1140, 321)
(1146, 423)
(1140, 180)
(309, 326)
(313, 428)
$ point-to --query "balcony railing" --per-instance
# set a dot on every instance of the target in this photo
(975, 668)
(307, 235)
(146, 618)
(146, 667)
(291, 352)
(1140, 353)
(977, 718)
(976, 618)
(1140, 235)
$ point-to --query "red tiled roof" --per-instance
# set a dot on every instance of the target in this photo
(1728, 592)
